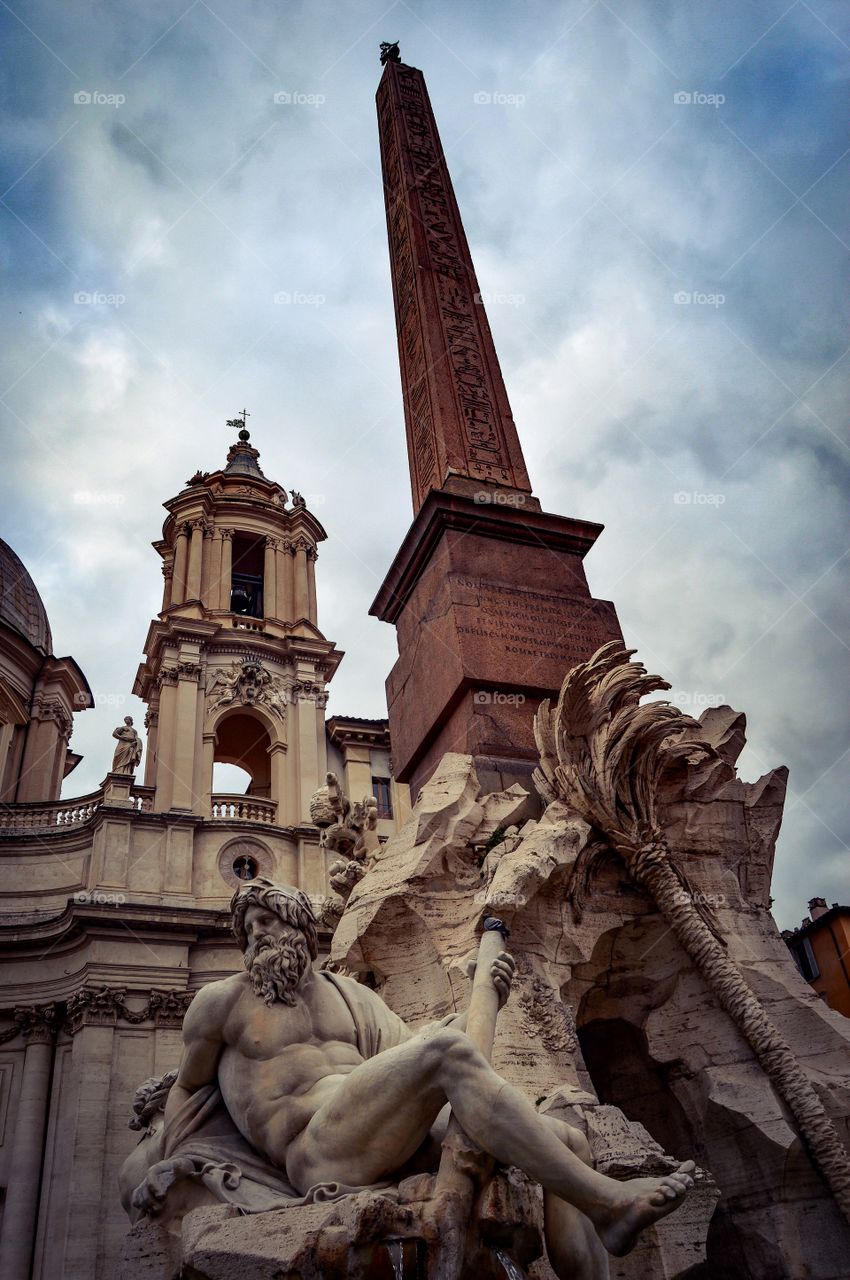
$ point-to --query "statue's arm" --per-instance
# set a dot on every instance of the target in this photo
(203, 1043)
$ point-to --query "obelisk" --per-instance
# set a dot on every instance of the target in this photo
(487, 592)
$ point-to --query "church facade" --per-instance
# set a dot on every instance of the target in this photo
(113, 904)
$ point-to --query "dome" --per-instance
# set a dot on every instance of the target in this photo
(21, 606)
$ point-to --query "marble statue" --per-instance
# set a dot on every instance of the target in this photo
(128, 753)
(324, 1089)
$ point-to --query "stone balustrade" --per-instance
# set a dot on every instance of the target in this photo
(65, 813)
(225, 808)
(56, 813)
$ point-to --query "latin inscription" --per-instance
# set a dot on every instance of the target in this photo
(535, 624)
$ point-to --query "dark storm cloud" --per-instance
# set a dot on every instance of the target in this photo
(591, 199)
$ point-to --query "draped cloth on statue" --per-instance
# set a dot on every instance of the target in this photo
(202, 1133)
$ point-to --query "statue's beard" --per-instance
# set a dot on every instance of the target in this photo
(276, 966)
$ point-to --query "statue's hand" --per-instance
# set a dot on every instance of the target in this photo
(502, 972)
(150, 1194)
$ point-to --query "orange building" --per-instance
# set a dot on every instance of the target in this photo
(821, 948)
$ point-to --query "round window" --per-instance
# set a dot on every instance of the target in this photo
(244, 859)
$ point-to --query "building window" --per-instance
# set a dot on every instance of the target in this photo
(245, 868)
(381, 792)
(805, 957)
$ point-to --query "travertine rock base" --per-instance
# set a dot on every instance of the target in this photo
(607, 1004)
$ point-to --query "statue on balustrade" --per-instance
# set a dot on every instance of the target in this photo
(299, 1085)
(128, 753)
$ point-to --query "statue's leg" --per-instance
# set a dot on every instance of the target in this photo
(377, 1117)
(574, 1249)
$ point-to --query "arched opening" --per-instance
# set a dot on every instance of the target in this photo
(246, 587)
(242, 740)
(230, 778)
(625, 1075)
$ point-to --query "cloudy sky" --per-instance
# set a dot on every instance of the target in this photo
(654, 194)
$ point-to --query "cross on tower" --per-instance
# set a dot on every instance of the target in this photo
(239, 423)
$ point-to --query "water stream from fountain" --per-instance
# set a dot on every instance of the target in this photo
(512, 1271)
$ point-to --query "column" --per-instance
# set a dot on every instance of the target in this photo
(21, 1209)
(92, 1058)
(44, 746)
(270, 579)
(278, 772)
(206, 564)
(212, 598)
(226, 569)
(308, 754)
(168, 575)
(181, 552)
(196, 551)
(284, 581)
(312, 556)
(6, 733)
(302, 589)
(165, 740)
(209, 761)
(182, 793)
(152, 726)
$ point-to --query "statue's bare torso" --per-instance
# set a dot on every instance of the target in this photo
(278, 1064)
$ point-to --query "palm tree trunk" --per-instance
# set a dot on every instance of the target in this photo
(651, 866)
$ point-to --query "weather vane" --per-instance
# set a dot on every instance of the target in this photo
(239, 424)
(389, 52)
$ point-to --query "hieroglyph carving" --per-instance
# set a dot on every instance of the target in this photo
(427, 203)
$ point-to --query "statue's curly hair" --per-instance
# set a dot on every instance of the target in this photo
(291, 905)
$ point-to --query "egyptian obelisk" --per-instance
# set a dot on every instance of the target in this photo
(487, 592)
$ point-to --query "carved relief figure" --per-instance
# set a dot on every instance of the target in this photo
(128, 753)
(247, 683)
(325, 1085)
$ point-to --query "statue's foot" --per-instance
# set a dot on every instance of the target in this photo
(641, 1202)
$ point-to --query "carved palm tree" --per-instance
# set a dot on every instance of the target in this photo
(605, 755)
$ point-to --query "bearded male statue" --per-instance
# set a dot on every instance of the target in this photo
(324, 1084)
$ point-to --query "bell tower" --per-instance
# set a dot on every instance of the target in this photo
(236, 667)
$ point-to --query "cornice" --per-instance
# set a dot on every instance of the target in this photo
(442, 511)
